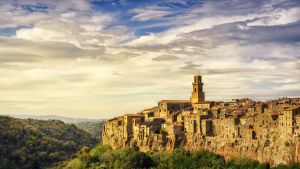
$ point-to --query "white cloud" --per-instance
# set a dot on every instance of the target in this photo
(15, 13)
(196, 24)
(278, 17)
(84, 31)
(150, 13)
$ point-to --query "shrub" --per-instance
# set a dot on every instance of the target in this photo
(242, 163)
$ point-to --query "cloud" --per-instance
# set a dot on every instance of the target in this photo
(193, 68)
(85, 34)
(85, 59)
(122, 56)
(297, 65)
(13, 57)
(165, 58)
(231, 71)
(150, 13)
(239, 32)
(227, 7)
(116, 73)
(26, 13)
(279, 17)
(19, 50)
(244, 7)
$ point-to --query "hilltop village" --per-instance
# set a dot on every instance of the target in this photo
(265, 131)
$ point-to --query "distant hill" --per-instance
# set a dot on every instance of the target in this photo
(94, 128)
(33, 144)
(54, 117)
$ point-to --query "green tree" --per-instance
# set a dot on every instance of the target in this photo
(241, 163)
(29, 143)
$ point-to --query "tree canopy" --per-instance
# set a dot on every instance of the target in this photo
(33, 144)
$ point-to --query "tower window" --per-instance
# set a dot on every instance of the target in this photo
(195, 89)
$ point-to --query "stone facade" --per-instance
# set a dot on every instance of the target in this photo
(265, 131)
(197, 94)
(169, 107)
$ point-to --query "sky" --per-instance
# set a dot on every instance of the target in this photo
(105, 58)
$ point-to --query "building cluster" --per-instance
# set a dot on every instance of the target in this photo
(178, 119)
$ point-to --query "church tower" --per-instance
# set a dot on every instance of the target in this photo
(197, 95)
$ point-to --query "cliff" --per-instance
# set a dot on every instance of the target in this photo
(280, 148)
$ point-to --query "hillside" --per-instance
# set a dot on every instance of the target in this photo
(28, 143)
(94, 128)
(103, 156)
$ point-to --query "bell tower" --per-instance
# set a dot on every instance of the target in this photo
(197, 94)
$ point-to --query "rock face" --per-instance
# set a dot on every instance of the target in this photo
(265, 131)
(281, 148)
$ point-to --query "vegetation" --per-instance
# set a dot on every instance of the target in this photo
(94, 128)
(104, 157)
(240, 163)
(34, 144)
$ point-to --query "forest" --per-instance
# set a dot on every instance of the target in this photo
(94, 128)
(34, 144)
(105, 157)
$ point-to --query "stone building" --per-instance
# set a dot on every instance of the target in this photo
(202, 105)
(215, 112)
(169, 107)
(248, 132)
(265, 121)
(287, 119)
(173, 129)
(113, 131)
(260, 108)
(229, 128)
(128, 122)
(240, 126)
(150, 128)
(296, 131)
(150, 113)
(192, 123)
(207, 127)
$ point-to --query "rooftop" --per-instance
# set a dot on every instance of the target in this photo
(176, 101)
